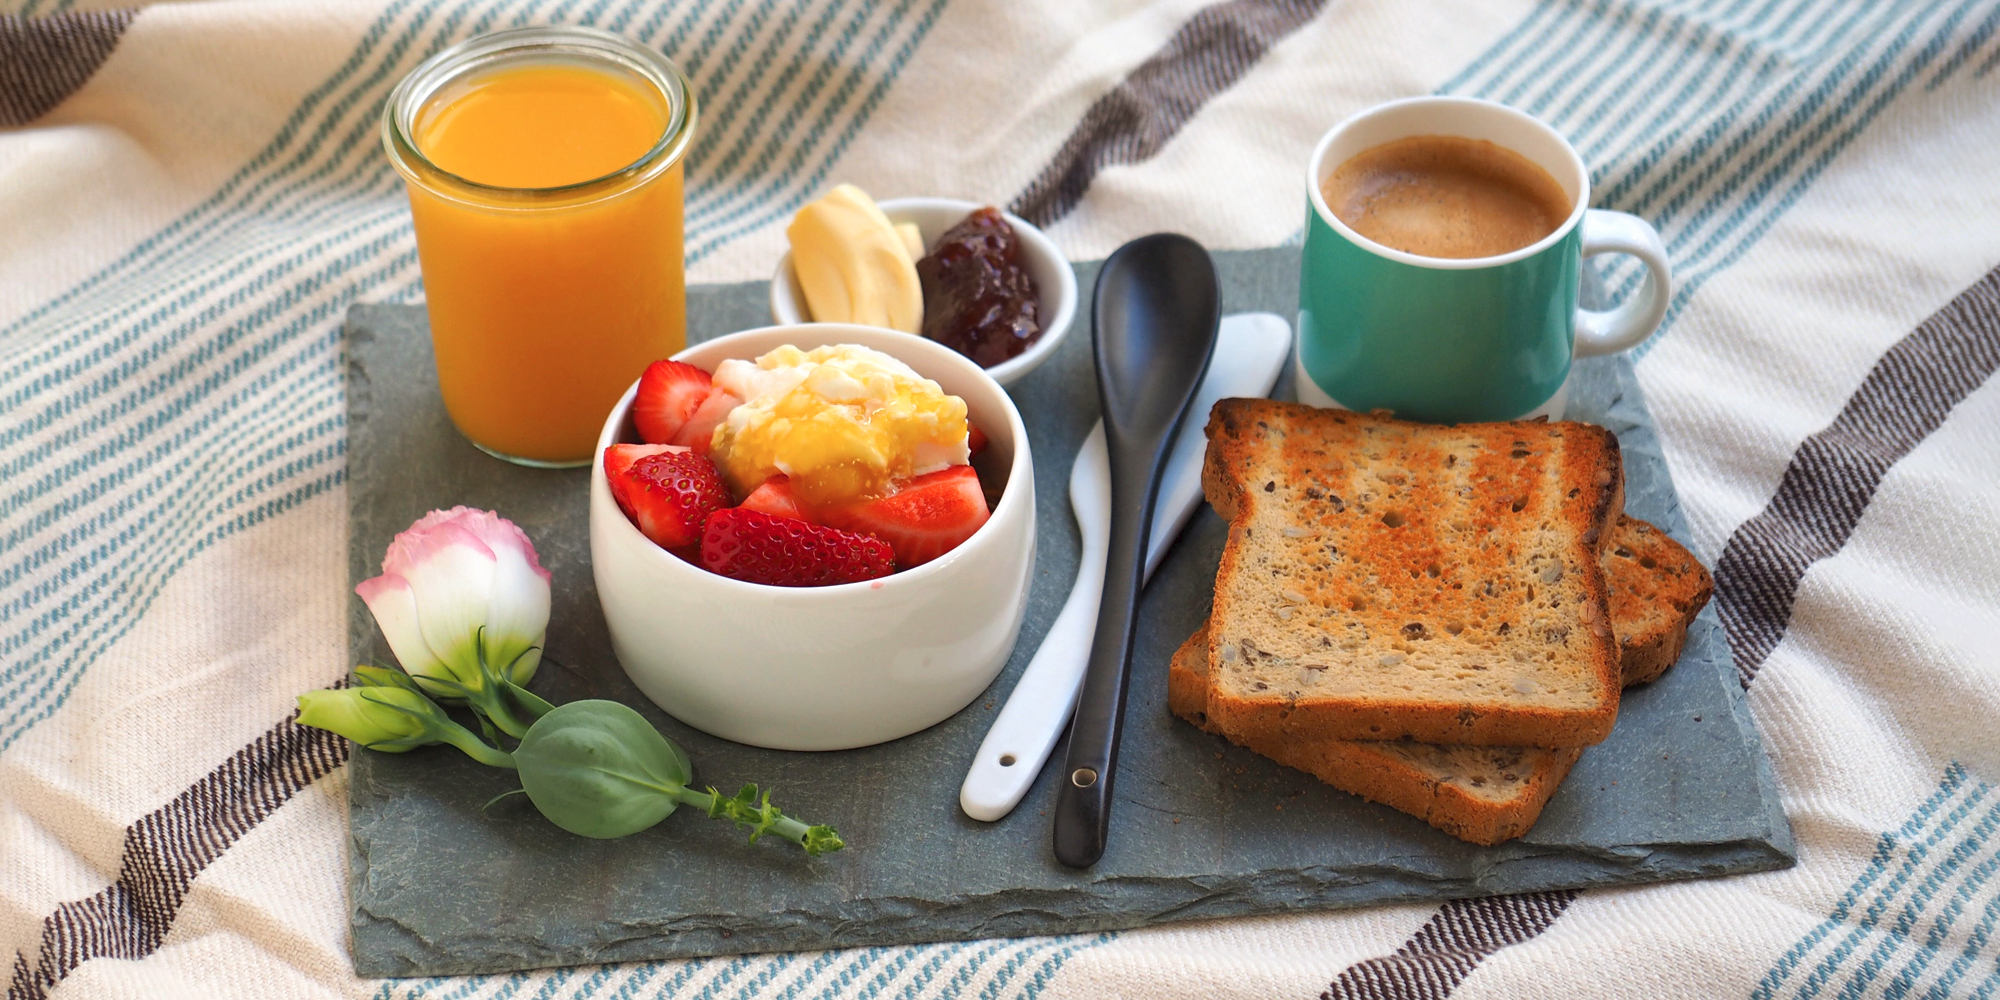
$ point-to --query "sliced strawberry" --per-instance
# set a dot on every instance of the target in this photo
(925, 519)
(776, 498)
(669, 495)
(619, 457)
(785, 552)
(669, 393)
(975, 439)
(700, 427)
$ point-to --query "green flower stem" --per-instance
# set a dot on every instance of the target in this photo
(474, 747)
(761, 817)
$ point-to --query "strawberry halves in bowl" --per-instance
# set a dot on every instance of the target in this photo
(763, 548)
(668, 491)
(928, 517)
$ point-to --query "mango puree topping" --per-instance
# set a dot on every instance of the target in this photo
(842, 421)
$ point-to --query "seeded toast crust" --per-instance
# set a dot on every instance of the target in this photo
(1657, 588)
(1390, 580)
(1480, 794)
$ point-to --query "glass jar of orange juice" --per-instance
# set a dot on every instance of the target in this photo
(544, 174)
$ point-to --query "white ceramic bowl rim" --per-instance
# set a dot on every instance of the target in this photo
(1022, 466)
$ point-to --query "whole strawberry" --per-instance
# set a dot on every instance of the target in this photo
(786, 552)
(668, 495)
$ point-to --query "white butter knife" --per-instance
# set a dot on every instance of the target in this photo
(1250, 350)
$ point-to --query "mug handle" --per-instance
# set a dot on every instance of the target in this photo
(1633, 320)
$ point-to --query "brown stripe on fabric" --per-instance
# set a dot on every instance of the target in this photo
(45, 59)
(1834, 473)
(166, 850)
(1449, 946)
(1136, 118)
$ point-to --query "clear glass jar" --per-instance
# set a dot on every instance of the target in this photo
(545, 303)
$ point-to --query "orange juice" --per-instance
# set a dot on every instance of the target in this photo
(546, 195)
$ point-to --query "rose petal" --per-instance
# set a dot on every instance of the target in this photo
(517, 619)
(394, 606)
(451, 576)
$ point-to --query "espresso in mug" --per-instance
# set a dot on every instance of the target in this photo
(1446, 196)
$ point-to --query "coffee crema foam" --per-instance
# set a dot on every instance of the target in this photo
(1446, 196)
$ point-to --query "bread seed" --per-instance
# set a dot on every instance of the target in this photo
(1294, 531)
(1523, 685)
(1293, 596)
(1391, 659)
(1284, 613)
(1552, 573)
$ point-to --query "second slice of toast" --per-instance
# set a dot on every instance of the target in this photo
(1390, 580)
(1486, 794)
(1480, 794)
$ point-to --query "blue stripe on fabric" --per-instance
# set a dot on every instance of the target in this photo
(1047, 973)
(635, 976)
(814, 969)
(1565, 56)
(1914, 856)
(286, 132)
(904, 956)
(1915, 906)
(1885, 851)
(213, 383)
(1005, 974)
(703, 198)
(1810, 127)
(1623, 65)
(1905, 979)
(216, 485)
(252, 518)
(1973, 43)
(1507, 43)
(963, 974)
(1975, 944)
(1804, 180)
(729, 114)
(1714, 130)
(861, 115)
(856, 962)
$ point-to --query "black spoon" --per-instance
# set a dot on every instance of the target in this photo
(1153, 326)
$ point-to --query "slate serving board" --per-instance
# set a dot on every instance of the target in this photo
(1201, 828)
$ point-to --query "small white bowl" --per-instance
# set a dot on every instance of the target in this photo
(1054, 279)
(824, 668)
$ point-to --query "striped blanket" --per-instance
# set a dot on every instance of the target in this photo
(191, 194)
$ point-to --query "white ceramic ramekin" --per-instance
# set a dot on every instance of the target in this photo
(824, 668)
(1054, 279)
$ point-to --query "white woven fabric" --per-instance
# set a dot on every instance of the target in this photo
(181, 234)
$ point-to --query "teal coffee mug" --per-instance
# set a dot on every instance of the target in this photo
(1453, 340)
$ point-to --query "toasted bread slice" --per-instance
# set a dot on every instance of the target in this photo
(1478, 793)
(1389, 580)
(1481, 794)
(1657, 587)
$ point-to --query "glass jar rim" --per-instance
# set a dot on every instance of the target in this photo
(573, 41)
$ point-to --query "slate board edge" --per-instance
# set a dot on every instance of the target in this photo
(1187, 901)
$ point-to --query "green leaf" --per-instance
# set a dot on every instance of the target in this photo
(599, 769)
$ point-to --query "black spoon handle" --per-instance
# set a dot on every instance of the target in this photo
(1083, 798)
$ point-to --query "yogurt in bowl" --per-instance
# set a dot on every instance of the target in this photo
(832, 667)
